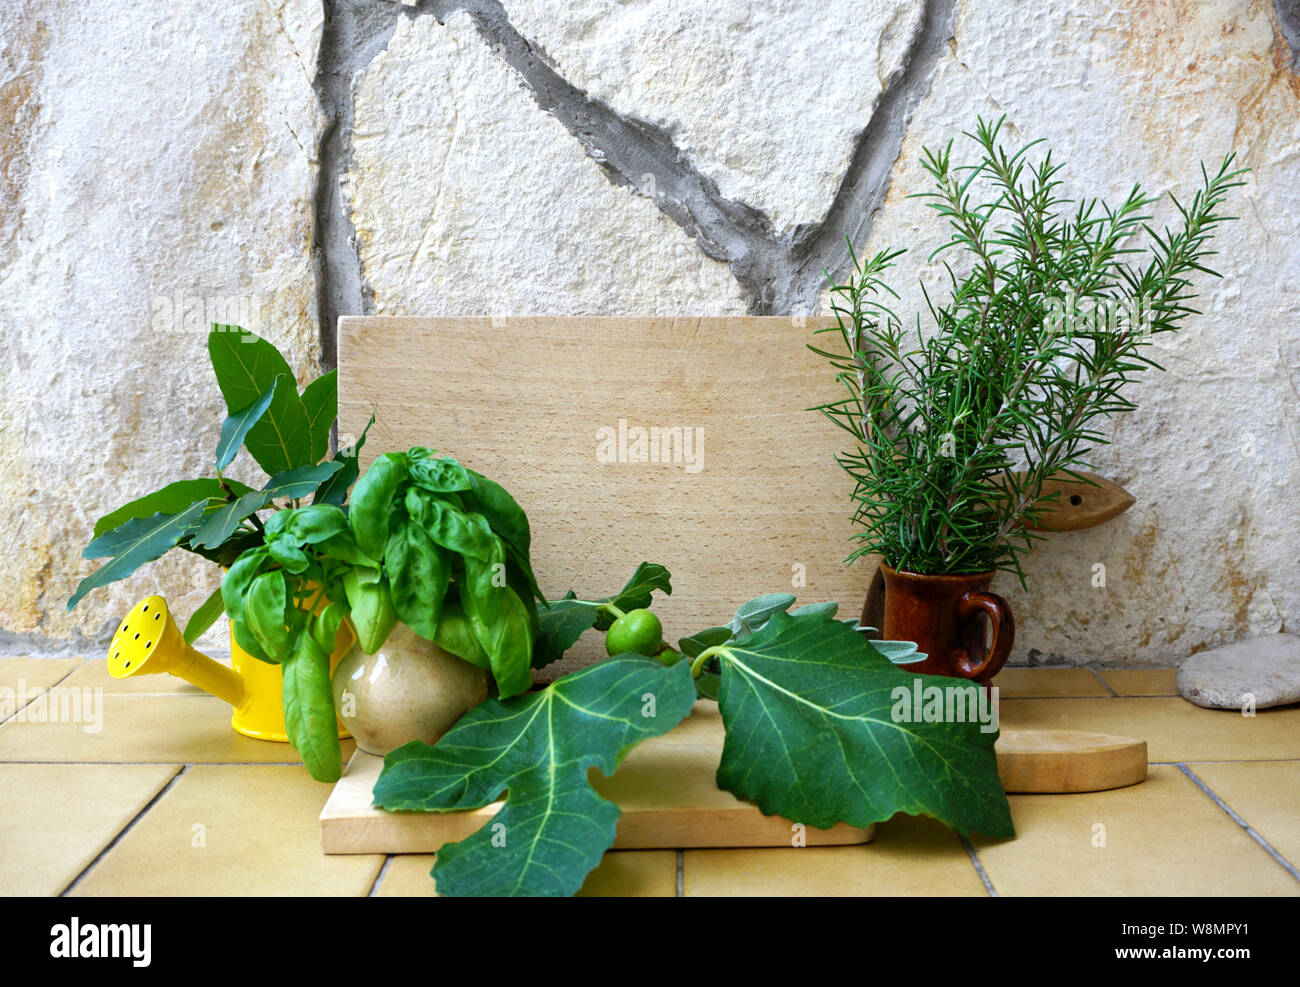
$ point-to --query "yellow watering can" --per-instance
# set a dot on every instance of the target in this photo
(148, 642)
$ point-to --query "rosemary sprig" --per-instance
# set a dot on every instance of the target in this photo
(956, 429)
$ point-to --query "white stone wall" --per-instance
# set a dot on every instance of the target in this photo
(281, 162)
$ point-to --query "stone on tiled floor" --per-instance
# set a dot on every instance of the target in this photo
(1260, 672)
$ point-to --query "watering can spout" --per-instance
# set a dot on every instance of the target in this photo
(148, 642)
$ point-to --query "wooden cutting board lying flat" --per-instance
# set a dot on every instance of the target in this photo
(665, 788)
(668, 797)
(738, 495)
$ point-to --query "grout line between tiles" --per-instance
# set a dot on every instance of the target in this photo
(681, 864)
(125, 829)
(1106, 685)
(1019, 699)
(979, 867)
(379, 878)
(202, 764)
(42, 692)
(1232, 814)
(1227, 760)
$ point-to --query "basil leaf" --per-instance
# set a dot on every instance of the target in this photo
(265, 614)
(462, 532)
(289, 555)
(418, 576)
(312, 524)
(502, 511)
(136, 542)
(539, 748)
(455, 634)
(500, 622)
(320, 400)
(234, 590)
(246, 367)
(436, 475)
(518, 581)
(809, 707)
(370, 605)
(343, 548)
(309, 708)
(372, 502)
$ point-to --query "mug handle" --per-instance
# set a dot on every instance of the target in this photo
(971, 603)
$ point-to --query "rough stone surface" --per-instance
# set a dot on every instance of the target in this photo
(499, 164)
(467, 200)
(765, 98)
(147, 154)
(1142, 91)
(1261, 672)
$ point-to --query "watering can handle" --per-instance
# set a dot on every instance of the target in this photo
(971, 603)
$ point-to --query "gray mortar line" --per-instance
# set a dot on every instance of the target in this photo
(777, 272)
(1288, 20)
(632, 153)
(354, 32)
(866, 183)
(1267, 847)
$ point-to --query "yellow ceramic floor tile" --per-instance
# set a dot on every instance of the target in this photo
(1141, 681)
(1162, 837)
(1265, 794)
(57, 818)
(94, 675)
(407, 876)
(231, 830)
(1016, 682)
(20, 678)
(1174, 729)
(621, 874)
(107, 727)
(910, 856)
(633, 874)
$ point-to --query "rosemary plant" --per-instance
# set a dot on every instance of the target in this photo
(1049, 313)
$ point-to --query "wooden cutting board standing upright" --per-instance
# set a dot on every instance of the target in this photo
(739, 493)
(679, 441)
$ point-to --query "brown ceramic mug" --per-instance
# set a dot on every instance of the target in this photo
(941, 614)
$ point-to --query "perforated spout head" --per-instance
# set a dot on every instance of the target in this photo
(147, 642)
